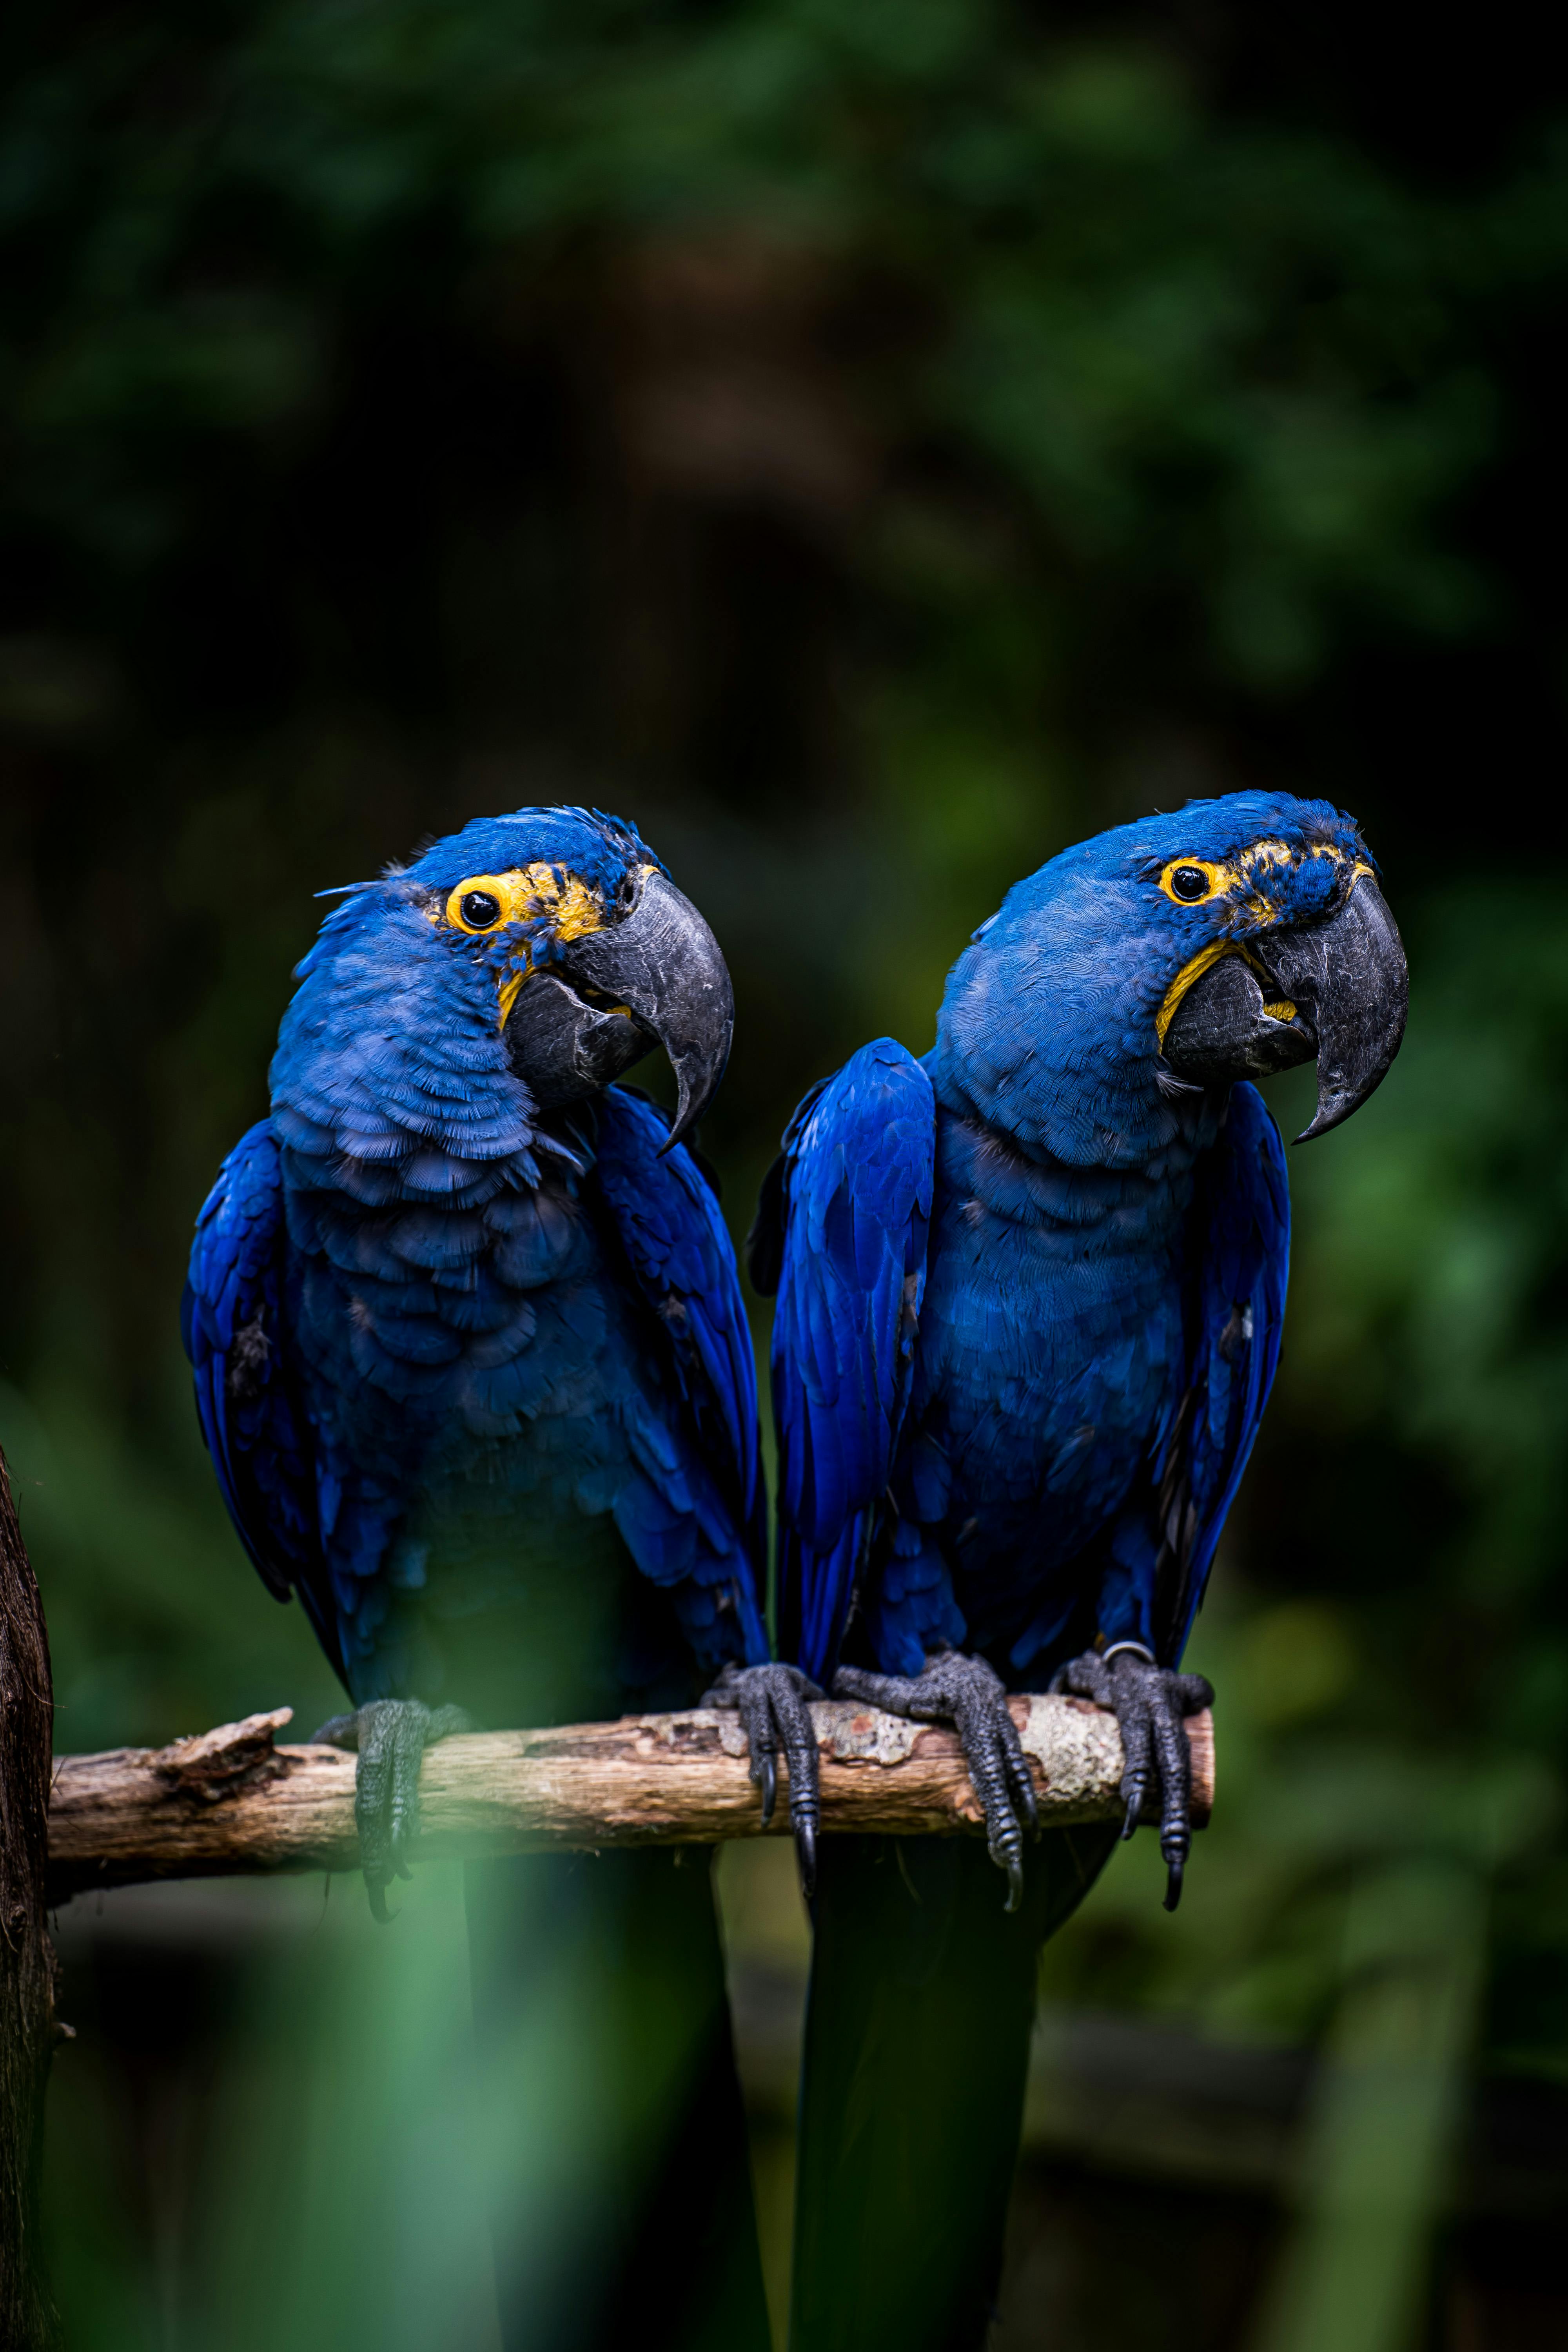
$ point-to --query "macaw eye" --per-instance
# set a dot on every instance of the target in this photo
(482, 901)
(1189, 883)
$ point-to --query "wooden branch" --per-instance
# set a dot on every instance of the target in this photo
(232, 1801)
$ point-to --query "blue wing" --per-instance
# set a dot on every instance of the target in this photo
(843, 1228)
(231, 1321)
(1240, 1261)
(707, 1517)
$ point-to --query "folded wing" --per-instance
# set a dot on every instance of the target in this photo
(1240, 1261)
(232, 1322)
(842, 1234)
(695, 1518)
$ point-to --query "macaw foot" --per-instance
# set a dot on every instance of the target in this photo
(1149, 1702)
(772, 1702)
(391, 1736)
(966, 1693)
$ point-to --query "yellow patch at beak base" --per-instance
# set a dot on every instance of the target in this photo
(1195, 970)
(540, 891)
(1279, 1009)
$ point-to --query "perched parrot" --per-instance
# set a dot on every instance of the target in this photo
(1029, 1299)
(473, 1367)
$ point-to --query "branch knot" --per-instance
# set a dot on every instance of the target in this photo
(216, 1764)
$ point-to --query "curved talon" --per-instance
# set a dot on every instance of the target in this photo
(765, 1773)
(772, 1704)
(1148, 1702)
(968, 1693)
(805, 1856)
(390, 1736)
(1009, 1860)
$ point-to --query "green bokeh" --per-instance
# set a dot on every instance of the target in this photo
(871, 446)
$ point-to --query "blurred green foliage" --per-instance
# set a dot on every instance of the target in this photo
(872, 446)
(315, 2141)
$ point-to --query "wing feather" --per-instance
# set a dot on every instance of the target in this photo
(1241, 1230)
(232, 1322)
(844, 1221)
(679, 1254)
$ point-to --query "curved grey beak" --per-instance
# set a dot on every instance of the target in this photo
(1223, 1031)
(562, 1048)
(1349, 979)
(664, 964)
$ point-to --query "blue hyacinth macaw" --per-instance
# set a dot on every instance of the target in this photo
(1030, 1289)
(472, 1363)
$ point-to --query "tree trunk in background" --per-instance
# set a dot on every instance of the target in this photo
(27, 2322)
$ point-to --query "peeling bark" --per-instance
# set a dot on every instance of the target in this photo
(231, 1801)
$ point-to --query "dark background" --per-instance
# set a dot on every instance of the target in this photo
(871, 446)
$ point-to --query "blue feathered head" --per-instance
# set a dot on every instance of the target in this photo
(522, 962)
(1164, 959)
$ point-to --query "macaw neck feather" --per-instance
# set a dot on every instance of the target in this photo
(1061, 1063)
(391, 1082)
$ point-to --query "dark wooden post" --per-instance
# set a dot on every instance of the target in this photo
(27, 2322)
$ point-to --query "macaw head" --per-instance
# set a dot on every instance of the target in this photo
(592, 953)
(1164, 959)
(525, 962)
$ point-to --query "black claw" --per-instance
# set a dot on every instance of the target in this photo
(390, 1737)
(1175, 1842)
(764, 1773)
(805, 1856)
(969, 1695)
(1149, 1703)
(772, 1702)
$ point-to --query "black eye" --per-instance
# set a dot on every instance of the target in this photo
(625, 894)
(480, 909)
(1190, 882)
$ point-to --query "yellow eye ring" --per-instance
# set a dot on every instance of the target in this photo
(1181, 879)
(485, 902)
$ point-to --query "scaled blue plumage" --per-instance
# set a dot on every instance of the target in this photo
(1030, 1288)
(1030, 1298)
(449, 1351)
